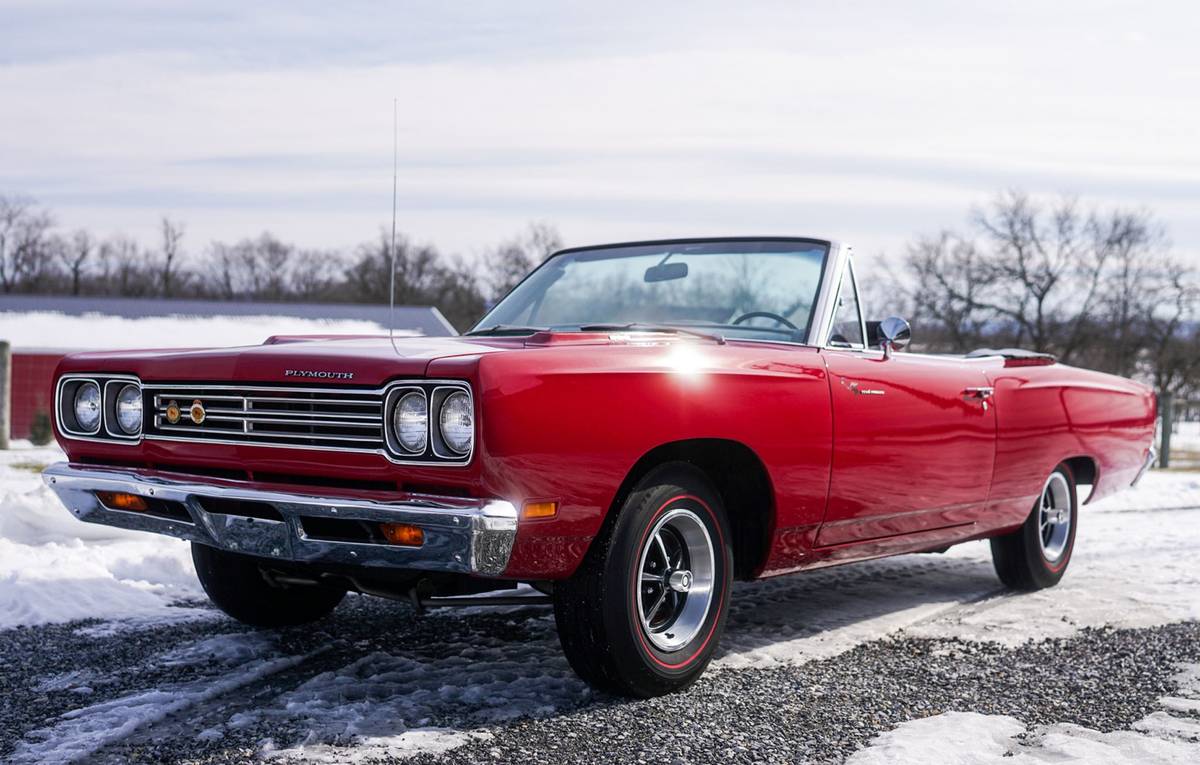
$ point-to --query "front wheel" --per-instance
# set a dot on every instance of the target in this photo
(1036, 555)
(644, 613)
(236, 585)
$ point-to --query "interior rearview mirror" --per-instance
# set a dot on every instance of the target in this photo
(666, 272)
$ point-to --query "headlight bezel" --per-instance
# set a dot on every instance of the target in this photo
(121, 431)
(77, 422)
(436, 453)
(411, 394)
(107, 431)
(443, 440)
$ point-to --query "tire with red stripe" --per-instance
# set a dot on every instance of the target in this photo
(1036, 555)
(644, 612)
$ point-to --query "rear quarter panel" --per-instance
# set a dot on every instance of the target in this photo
(1048, 414)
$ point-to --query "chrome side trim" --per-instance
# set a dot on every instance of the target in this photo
(1151, 456)
(468, 536)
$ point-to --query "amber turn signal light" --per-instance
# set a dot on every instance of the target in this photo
(540, 510)
(119, 500)
(403, 534)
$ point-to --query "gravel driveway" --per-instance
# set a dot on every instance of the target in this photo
(211, 691)
(813, 668)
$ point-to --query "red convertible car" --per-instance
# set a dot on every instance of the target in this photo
(631, 429)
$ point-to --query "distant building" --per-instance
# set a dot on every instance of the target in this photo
(42, 329)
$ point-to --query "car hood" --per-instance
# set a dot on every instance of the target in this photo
(341, 360)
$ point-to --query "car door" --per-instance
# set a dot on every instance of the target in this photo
(913, 438)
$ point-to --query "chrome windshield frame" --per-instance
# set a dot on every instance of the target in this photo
(836, 255)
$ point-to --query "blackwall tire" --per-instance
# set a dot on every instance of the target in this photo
(236, 585)
(644, 613)
(1036, 555)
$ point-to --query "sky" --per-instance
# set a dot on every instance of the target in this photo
(869, 122)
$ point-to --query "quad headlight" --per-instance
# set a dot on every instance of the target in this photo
(129, 409)
(88, 407)
(410, 419)
(99, 407)
(456, 421)
(429, 422)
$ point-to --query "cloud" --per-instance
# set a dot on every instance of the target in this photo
(872, 122)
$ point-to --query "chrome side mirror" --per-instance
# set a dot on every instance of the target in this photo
(894, 335)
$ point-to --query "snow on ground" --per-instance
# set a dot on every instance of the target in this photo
(54, 568)
(1185, 445)
(1134, 566)
(1186, 436)
(48, 329)
(1170, 736)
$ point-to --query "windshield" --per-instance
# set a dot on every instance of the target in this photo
(739, 288)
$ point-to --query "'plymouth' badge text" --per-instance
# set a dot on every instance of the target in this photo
(318, 374)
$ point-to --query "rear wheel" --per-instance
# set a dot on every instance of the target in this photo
(643, 614)
(237, 585)
(1036, 555)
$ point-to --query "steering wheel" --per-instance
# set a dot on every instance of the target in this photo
(765, 315)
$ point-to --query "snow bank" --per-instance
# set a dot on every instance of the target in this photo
(968, 738)
(54, 568)
(47, 329)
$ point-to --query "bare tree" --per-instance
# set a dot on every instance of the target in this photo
(949, 279)
(423, 277)
(74, 256)
(23, 251)
(172, 235)
(124, 269)
(507, 264)
(1096, 288)
(1025, 274)
(315, 274)
(1169, 334)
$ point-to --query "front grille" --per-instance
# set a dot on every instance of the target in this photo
(330, 418)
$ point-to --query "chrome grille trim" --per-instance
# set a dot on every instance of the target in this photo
(267, 414)
(337, 419)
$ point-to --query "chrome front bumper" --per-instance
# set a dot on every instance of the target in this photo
(461, 535)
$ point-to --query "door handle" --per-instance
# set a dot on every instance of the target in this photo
(981, 395)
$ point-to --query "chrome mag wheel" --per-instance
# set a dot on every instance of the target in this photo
(1055, 517)
(677, 571)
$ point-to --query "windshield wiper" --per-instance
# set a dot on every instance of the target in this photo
(644, 327)
(507, 329)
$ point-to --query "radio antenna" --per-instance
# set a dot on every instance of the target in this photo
(392, 280)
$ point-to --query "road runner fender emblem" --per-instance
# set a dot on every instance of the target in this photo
(318, 374)
(857, 390)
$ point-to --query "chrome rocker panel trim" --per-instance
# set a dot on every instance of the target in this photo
(461, 535)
